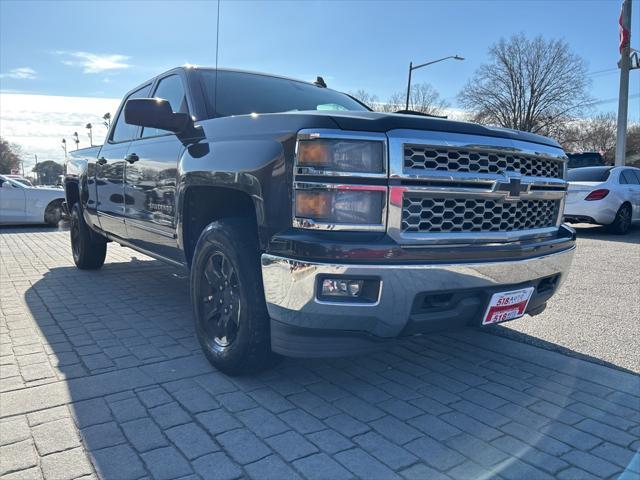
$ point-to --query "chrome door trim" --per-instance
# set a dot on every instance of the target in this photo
(147, 228)
(108, 215)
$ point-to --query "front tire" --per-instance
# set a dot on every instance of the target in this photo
(231, 316)
(88, 252)
(622, 223)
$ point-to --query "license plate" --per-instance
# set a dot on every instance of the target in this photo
(505, 306)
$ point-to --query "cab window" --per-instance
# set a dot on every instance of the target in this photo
(122, 131)
(170, 89)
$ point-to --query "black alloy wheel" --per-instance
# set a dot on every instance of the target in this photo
(220, 300)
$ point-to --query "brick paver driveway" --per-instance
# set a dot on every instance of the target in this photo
(102, 376)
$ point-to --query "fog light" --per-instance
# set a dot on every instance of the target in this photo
(337, 287)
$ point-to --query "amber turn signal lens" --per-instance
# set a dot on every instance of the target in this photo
(313, 204)
(316, 153)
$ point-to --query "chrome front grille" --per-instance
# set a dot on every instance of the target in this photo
(457, 188)
(428, 157)
(454, 215)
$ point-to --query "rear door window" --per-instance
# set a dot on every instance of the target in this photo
(628, 177)
(589, 174)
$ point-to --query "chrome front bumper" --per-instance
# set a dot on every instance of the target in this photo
(290, 289)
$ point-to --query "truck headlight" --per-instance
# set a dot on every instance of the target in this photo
(339, 155)
(339, 207)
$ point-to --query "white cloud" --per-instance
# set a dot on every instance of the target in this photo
(95, 62)
(39, 122)
(22, 73)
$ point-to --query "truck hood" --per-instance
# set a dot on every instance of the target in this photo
(384, 122)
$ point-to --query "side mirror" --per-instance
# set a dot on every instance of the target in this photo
(6, 185)
(155, 113)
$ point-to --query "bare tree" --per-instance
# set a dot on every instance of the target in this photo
(530, 85)
(597, 134)
(370, 100)
(633, 145)
(423, 98)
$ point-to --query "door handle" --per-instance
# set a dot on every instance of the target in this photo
(132, 158)
(101, 161)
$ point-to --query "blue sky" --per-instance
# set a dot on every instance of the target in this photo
(352, 44)
(103, 49)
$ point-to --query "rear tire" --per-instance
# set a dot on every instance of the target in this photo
(232, 322)
(622, 223)
(88, 251)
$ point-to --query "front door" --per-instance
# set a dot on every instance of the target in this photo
(150, 179)
(109, 172)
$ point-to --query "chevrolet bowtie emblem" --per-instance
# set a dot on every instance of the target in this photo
(514, 187)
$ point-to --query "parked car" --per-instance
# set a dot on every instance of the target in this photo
(605, 196)
(312, 226)
(23, 204)
(21, 179)
(585, 159)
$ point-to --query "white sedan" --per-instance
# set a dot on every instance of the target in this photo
(22, 204)
(605, 196)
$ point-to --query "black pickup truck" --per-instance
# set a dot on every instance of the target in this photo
(312, 226)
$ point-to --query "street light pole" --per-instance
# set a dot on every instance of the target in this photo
(409, 85)
(89, 127)
(412, 68)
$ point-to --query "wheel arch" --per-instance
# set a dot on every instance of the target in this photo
(50, 203)
(201, 204)
(71, 192)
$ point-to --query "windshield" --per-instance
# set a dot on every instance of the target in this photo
(587, 159)
(240, 93)
(589, 174)
(13, 181)
(23, 181)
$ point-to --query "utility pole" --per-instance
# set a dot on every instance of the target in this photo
(36, 169)
(625, 66)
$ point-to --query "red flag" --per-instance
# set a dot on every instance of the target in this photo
(625, 34)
